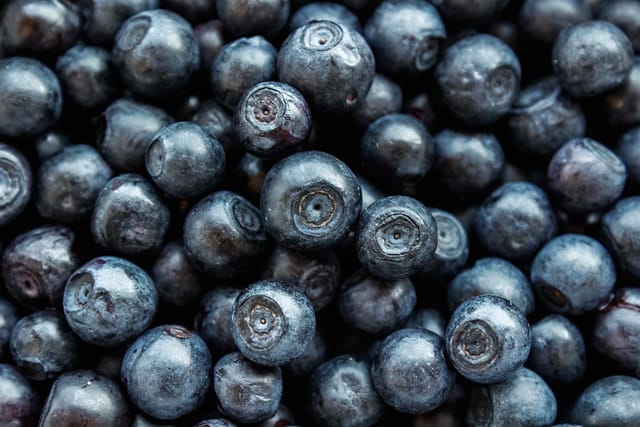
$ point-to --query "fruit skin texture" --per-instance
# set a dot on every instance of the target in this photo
(250, 17)
(619, 226)
(20, 400)
(608, 402)
(16, 193)
(9, 316)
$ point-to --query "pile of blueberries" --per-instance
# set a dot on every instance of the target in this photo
(350, 213)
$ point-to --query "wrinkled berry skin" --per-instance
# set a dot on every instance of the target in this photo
(619, 227)
(573, 274)
(522, 399)
(213, 321)
(156, 53)
(69, 183)
(310, 201)
(167, 372)
(396, 236)
(43, 346)
(617, 329)
(250, 17)
(20, 404)
(84, 397)
(542, 20)
(558, 352)
(591, 57)
(621, 103)
(324, 11)
(383, 97)
(103, 18)
(16, 183)
(628, 149)
(479, 78)
(129, 216)
(272, 323)
(340, 394)
(610, 401)
(410, 371)
(8, 318)
(176, 281)
(322, 55)
(487, 339)
(469, 10)
(31, 97)
(109, 301)
(272, 120)
(37, 263)
(235, 382)
(585, 176)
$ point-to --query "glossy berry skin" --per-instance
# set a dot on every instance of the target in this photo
(376, 306)
(592, 57)
(491, 75)
(469, 10)
(16, 182)
(272, 120)
(218, 123)
(396, 236)
(628, 149)
(109, 301)
(213, 321)
(324, 11)
(397, 150)
(542, 118)
(573, 274)
(37, 263)
(253, 17)
(487, 339)
(610, 401)
(240, 65)
(8, 318)
(42, 345)
(340, 393)
(384, 97)
(310, 201)
(515, 221)
(85, 397)
(31, 97)
(322, 55)
(167, 371)
(492, 276)
(558, 352)
(542, 20)
(176, 281)
(429, 319)
(50, 143)
(585, 176)
(69, 183)
(272, 323)
(222, 233)
(129, 217)
(522, 399)
(619, 226)
(235, 382)
(410, 371)
(156, 53)
(621, 103)
(20, 405)
(184, 161)
(103, 18)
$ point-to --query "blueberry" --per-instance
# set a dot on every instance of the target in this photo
(628, 149)
(103, 18)
(261, 17)
(573, 274)
(213, 321)
(592, 57)
(211, 38)
(8, 318)
(20, 404)
(487, 339)
(217, 422)
(16, 182)
(369, 192)
(625, 14)
(610, 401)
(246, 392)
(218, 123)
(469, 10)
(383, 97)
(324, 11)
(109, 301)
(317, 353)
(621, 104)
(50, 143)
(331, 64)
(429, 319)
(193, 10)
(619, 227)
(167, 371)
(542, 20)
(283, 416)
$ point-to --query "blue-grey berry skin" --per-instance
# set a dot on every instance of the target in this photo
(69, 183)
(487, 339)
(20, 404)
(254, 17)
(272, 323)
(523, 399)
(492, 276)
(177, 282)
(184, 161)
(16, 183)
(429, 319)
(283, 416)
(591, 57)
(479, 78)
(332, 65)
(37, 263)
(109, 301)
(85, 398)
(156, 53)
(609, 402)
(167, 372)
(246, 392)
(51, 142)
(341, 394)
(542, 118)
(625, 14)
(452, 250)
(213, 321)
(42, 345)
(8, 318)
(619, 227)
(240, 65)
(628, 149)
(272, 120)
(218, 123)
(542, 20)
(31, 97)
(324, 11)
(130, 216)
(211, 38)
(405, 36)
(383, 97)
(469, 11)
(217, 422)
(317, 353)
(621, 104)
(310, 201)
(103, 18)
(584, 176)
(515, 221)
(558, 352)
(573, 274)
(410, 371)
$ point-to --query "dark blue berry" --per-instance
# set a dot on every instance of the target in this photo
(384, 97)
(628, 149)
(20, 404)
(542, 20)
(251, 17)
(625, 14)
(103, 18)
(324, 11)
(429, 319)
(620, 227)
(16, 182)
(213, 321)
(8, 318)
(469, 10)
(610, 401)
